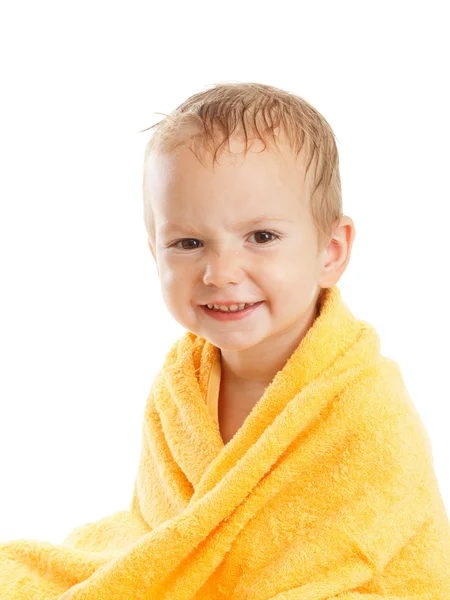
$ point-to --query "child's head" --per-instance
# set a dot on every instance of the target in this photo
(281, 162)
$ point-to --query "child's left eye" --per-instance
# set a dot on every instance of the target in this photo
(175, 244)
(274, 235)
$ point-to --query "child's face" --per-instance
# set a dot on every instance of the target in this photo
(221, 259)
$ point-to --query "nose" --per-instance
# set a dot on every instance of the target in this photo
(223, 267)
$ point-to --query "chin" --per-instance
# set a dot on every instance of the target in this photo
(233, 342)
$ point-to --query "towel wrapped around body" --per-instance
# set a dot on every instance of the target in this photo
(327, 490)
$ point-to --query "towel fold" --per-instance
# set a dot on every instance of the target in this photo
(327, 490)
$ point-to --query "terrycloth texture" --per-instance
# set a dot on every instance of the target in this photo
(327, 490)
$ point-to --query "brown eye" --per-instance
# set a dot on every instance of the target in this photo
(183, 247)
(266, 233)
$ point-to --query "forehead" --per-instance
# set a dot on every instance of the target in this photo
(263, 181)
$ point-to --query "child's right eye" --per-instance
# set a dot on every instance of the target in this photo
(175, 244)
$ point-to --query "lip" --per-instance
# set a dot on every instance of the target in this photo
(231, 316)
(229, 302)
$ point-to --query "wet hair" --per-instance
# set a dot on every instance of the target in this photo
(207, 120)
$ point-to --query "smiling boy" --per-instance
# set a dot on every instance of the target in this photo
(241, 231)
(282, 456)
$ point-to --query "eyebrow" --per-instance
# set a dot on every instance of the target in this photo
(238, 225)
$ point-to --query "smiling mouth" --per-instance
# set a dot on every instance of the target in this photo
(235, 307)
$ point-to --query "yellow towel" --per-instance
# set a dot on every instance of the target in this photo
(326, 491)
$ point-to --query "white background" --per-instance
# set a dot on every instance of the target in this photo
(83, 329)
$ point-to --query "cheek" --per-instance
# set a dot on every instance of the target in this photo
(171, 277)
(176, 287)
(289, 280)
(283, 274)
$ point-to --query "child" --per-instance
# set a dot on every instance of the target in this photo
(281, 454)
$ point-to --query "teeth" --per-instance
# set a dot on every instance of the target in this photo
(231, 308)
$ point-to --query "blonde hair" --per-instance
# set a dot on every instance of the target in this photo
(209, 119)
